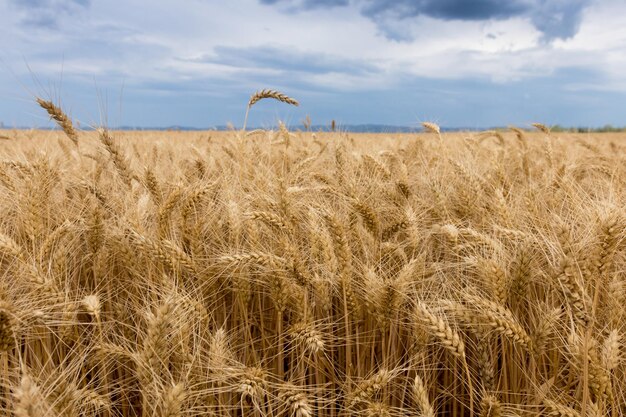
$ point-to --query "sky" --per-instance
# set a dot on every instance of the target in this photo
(195, 63)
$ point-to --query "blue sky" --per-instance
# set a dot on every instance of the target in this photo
(470, 63)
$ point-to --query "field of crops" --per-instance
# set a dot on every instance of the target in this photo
(277, 273)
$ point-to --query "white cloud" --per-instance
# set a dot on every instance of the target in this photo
(141, 44)
(160, 39)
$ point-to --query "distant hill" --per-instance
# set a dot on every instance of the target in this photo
(353, 128)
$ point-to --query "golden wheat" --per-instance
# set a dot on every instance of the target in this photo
(285, 274)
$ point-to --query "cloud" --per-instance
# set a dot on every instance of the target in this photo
(558, 19)
(59, 5)
(284, 59)
(445, 9)
(555, 19)
(191, 63)
(47, 13)
(307, 4)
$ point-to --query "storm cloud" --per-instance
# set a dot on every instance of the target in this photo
(555, 19)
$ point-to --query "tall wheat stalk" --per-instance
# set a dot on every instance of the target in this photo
(262, 94)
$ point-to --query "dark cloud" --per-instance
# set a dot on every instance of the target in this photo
(555, 19)
(445, 9)
(558, 18)
(47, 13)
(284, 59)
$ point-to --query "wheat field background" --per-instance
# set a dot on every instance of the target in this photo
(277, 273)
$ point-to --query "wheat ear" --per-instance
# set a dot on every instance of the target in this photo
(611, 350)
(7, 326)
(296, 402)
(420, 396)
(433, 128)
(173, 399)
(448, 338)
(29, 401)
(120, 161)
(266, 93)
(61, 118)
(553, 408)
(540, 126)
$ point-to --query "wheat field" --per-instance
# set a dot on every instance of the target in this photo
(278, 273)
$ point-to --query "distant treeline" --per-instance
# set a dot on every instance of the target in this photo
(603, 129)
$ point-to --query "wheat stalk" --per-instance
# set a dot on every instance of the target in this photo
(262, 94)
(61, 118)
(540, 126)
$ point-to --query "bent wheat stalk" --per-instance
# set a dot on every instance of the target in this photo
(433, 128)
(260, 95)
(543, 128)
(60, 117)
